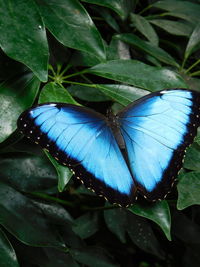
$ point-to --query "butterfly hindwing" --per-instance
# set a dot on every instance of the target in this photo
(81, 139)
(157, 129)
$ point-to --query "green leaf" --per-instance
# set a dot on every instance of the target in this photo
(15, 96)
(173, 27)
(91, 255)
(188, 190)
(141, 234)
(192, 158)
(7, 253)
(139, 74)
(86, 225)
(20, 216)
(181, 9)
(122, 94)
(87, 93)
(121, 7)
(64, 174)
(23, 36)
(27, 173)
(53, 92)
(116, 221)
(147, 47)
(145, 28)
(69, 22)
(194, 42)
(158, 212)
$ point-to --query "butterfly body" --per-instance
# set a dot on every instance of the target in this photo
(138, 150)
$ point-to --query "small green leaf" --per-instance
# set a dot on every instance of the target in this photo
(15, 96)
(86, 225)
(192, 158)
(53, 92)
(145, 28)
(158, 212)
(139, 74)
(194, 42)
(91, 255)
(64, 174)
(23, 36)
(148, 48)
(188, 190)
(121, 7)
(181, 28)
(25, 221)
(7, 253)
(70, 23)
(116, 222)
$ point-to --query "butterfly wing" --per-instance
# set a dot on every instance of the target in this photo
(157, 129)
(80, 138)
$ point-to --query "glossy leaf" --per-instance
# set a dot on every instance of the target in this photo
(188, 190)
(23, 36)
(72, 26)
(27, 173)
(15, 96)
(89, 256)
(24, 220)
(145, 28)
(173, 27)
(86, 225)
(7, 253)
(158, 212)
(194, 42)
(181, 9)
(53, 92)
(142, 235)
(121, 7)
(147, 47)
(139, 74)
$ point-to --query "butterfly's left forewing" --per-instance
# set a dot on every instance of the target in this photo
(157, 129)
(81, 139)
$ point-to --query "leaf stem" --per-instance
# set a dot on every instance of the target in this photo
(192, 66)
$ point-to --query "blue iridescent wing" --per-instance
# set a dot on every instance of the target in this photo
(80, 139)
(156, 130)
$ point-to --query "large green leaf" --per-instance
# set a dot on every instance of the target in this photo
(145, 28)
(27, 173)
(174, 27)
(139, 74)
(23, 36)
(7, 253)
(181, 9)
(194, 42)
(188, 190)
(69, 22)
(20, 216)
(148, 48)
(15, 96)
(158, 212)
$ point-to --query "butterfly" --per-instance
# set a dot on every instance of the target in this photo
(138, 150)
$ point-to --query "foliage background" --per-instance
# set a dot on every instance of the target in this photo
(101, 54)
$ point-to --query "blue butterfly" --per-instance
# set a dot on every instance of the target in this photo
(140, 149)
